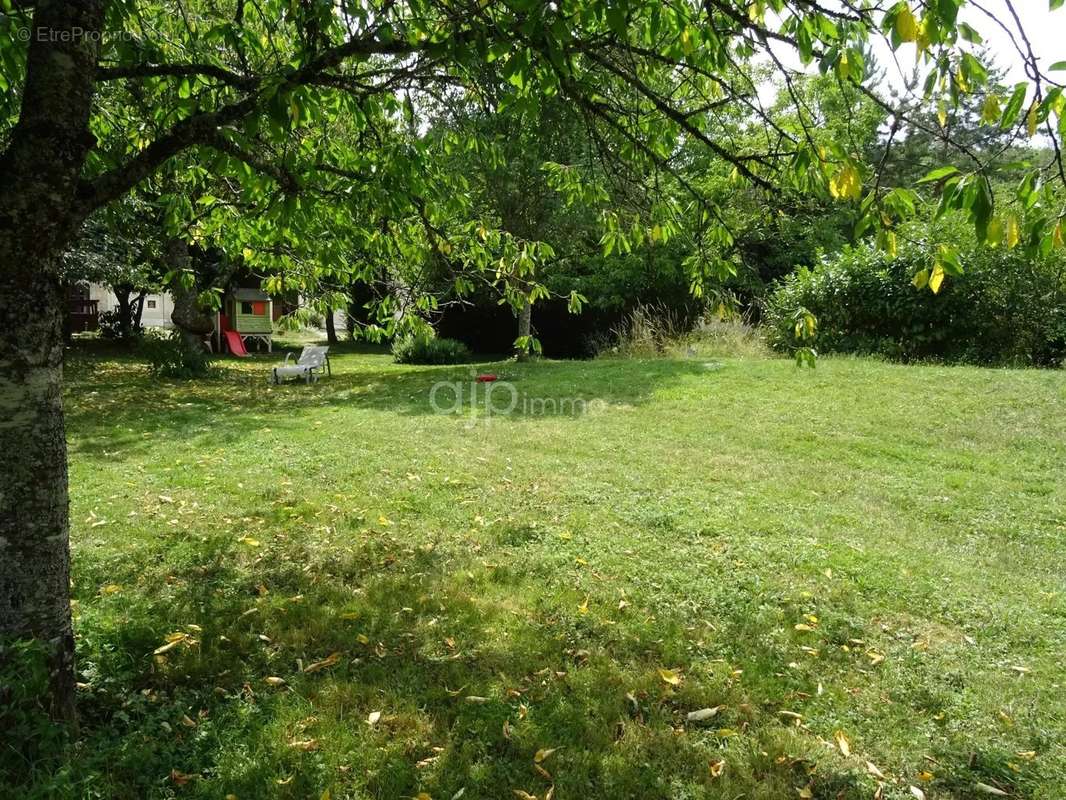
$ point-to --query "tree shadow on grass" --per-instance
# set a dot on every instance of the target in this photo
(396, 669)
(115, 408)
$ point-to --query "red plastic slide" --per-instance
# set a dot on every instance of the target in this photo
(233, 341)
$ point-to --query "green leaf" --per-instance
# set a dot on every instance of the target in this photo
(939, 174)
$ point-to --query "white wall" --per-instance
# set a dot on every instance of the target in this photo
(157, 317)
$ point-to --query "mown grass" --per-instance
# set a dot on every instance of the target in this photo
(868, 549)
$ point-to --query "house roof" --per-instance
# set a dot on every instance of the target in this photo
(250, 294)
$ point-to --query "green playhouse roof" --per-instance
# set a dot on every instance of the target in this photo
(250, 294)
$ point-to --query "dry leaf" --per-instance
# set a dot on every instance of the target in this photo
(703, 714)
(842, 743)
(873, 770)
(984, 788)
(584, 607)
(274, 680)
(717, 768)
(181, 778)
(918, 793)
(326, 662)
(521, 795)
(670, 676)
(925, 775)
(544, 754)
(373, 717)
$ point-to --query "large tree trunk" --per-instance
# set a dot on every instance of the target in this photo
(39, 173)
(331, 328)
(192, 321)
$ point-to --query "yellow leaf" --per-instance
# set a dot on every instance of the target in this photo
(543, 755)
(362, 639)
(248, 540)
(325, 795)
(423, 796)
(273, 680)
(373, 717)
(584, 607)
(328, 661)
(522, 795)
(925, 775)
(1014, 232)
(936, 279)
(1032, 119)
(873, 770)
(921, 279)
(906, 25)
(111, 588)
(805, 793)
(843, 744)
(942, 114)
(172, 641)
(802, 626)
(717, 767)
(846, 184)
(670, 676)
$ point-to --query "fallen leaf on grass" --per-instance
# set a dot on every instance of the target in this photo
(717, 767)
(984, 788)
(181, 778)
(702, 714)
(544, 754)
(918, 793)
(670, 676)
(842, 743)
(172, 640)
(305, 745)
(373, 717)
(326, 662)
(873, 770)
(274, 680)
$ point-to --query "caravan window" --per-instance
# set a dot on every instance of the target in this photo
(246, 307)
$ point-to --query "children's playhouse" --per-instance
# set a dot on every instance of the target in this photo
(246, 314)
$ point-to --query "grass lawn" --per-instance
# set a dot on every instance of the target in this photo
(350, 593)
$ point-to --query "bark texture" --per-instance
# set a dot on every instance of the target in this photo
(191, 320)
(39, 184)
(525, 327)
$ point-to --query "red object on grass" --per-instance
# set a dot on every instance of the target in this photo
(486, 378)
(236, 346)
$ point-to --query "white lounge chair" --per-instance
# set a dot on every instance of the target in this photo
(312, 362)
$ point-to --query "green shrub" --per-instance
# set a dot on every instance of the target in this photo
(418, 348)
(1005, 309)
(169, 357)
